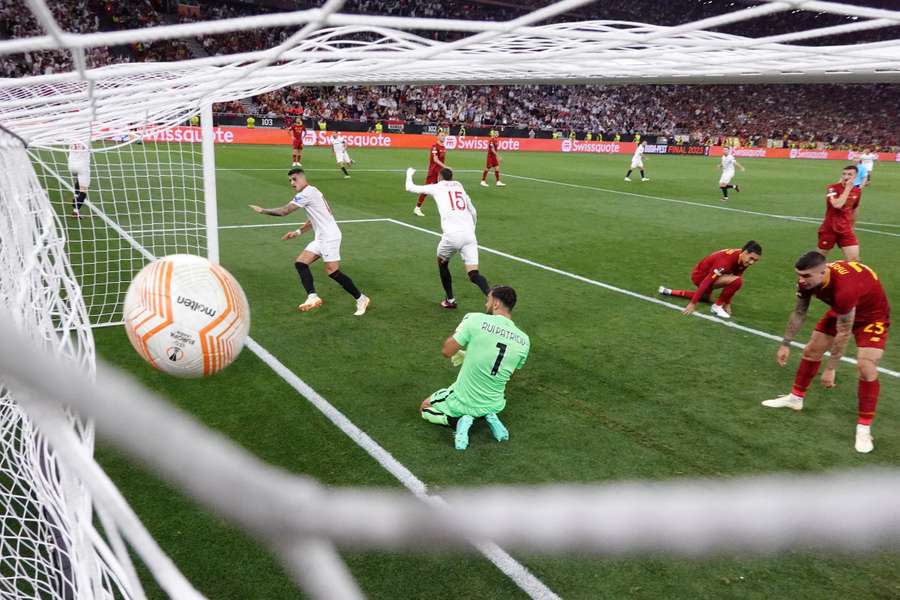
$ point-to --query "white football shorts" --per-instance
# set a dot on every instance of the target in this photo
(342, 157)
(83, 174)
(725, 179)
(329, 250)
(463, 243)
(637, 163)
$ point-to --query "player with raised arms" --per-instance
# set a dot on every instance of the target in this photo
(80, 168)
(727, 164)
(297, 130)
(721, 269)
(490, 348)
(858, 308)
(637, 162)
(326, 244)
(458, 218)
(841, 203)
(493, 159)
(339, 149)
(436, 162)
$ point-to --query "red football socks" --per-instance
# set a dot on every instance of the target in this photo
(868, 400)
(805, 373)
(729, 291)
(421, 200)
(497, 174)
(484, 174)
(682, 293)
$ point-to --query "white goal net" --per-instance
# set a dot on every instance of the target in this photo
(65, 532)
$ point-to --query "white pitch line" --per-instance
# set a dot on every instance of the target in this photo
(636, 295)
(695, 204)
(517, 572)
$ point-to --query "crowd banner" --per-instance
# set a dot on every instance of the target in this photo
(361, 139)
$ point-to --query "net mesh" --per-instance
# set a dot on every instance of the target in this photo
(140, 191)
(46, 547)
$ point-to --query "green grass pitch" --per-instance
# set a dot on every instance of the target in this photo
(615, 388)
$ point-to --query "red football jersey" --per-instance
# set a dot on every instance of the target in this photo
(850, 284)
(840, 219)
(438, 151)
(493, 146)
(721, 262)
(297, 130)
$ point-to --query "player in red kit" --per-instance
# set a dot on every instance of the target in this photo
(435, 163)
(841, 202)
(297, 130)
(859, 309)
(721, 269)
(493, 159)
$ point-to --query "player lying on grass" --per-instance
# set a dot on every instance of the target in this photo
(490, 348)
(721, 269)
(841, 202)
(326, 244)
(458, 218)
(859, 309)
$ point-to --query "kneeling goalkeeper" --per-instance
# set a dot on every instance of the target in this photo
(490, 348)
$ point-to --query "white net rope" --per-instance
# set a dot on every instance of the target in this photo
(333, 48)
(151, 192)
(47, 540)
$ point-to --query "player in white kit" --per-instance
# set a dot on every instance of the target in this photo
(80, 168)
(326, 244)
(867, 160)
(637, 162)
(728, 163)
(339, 148)
(458, 218)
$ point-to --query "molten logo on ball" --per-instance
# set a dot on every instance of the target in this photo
(186, 316)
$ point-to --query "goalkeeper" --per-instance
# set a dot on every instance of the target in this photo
(490, 348)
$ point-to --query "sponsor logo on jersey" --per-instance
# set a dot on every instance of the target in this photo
(196, 306)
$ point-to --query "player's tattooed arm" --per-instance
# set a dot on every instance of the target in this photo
(281, 211)
(795, 321)
(844, 332)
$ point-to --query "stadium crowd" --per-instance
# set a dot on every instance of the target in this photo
(792, 113)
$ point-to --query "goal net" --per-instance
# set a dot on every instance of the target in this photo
(67, 532)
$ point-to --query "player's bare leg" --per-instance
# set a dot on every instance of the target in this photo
(302, 264)
(868, 389)
(478, 279)
(333, 270)
(449, 300)
(851, 252)
(813, 352)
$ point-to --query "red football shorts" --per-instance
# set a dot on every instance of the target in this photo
(868, 334)
(298, 144)
(433, 176)
(697, 277)
(491, 162)
(828, 238)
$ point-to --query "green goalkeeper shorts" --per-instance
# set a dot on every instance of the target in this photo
(443, 405)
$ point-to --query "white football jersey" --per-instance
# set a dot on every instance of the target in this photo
(638, 153)
(868, 159)
(457, 211)
(338, 143)
(728, 161)
(319, 212)
(79, 157)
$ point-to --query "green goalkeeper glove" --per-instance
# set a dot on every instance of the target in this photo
(458, 358)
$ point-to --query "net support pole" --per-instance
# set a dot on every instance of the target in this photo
(209, 182)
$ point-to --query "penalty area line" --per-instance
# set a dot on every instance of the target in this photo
(636, 295)
(509, 566)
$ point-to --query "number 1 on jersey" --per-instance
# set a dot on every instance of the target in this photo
(499, 358)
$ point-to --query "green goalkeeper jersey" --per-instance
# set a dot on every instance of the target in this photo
(495, 348)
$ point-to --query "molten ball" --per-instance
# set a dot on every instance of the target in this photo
(186, 316)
